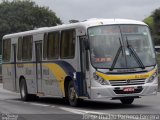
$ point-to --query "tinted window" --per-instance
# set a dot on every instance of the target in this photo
(68, 44)
(53, 45)
(20, 48)
(6, 49)
(45, 46)
(27, 48)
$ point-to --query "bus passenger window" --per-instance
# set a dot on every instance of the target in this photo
(53, 45)
(27, 48)
(45, 46)
(6, 49)
(68, 44)
(19, 48)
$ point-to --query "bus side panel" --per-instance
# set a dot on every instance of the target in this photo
(26, 71)
(54, 75)
(7, 77)
(30, 78)
(52, 83)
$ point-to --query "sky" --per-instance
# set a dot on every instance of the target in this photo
(86, 9)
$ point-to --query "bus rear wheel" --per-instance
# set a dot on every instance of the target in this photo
(72, 95)
(127, 101)
(23, 90)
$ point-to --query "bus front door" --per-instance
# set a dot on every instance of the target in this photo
(84, 58)
(38, 53)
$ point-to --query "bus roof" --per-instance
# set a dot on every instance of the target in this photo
(87, 23)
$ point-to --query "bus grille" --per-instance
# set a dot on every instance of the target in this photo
(127, 82)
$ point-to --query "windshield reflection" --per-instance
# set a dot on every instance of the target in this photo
(105, 42)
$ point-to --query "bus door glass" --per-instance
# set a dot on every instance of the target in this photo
(38, 53)
(84, 65)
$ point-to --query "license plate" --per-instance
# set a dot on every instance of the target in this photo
(128, 89)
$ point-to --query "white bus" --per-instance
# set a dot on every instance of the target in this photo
(94, 59)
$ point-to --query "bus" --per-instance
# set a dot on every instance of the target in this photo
(91, 60)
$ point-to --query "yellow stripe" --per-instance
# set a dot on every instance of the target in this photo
(59, 74)
(57, 71)
(6, 65)
(125, 77)
(20, 64)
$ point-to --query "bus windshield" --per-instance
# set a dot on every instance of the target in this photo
(121, 46)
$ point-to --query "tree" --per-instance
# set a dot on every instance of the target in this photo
(149, 21)
(153, 22)
(156, 18)
(17, 16)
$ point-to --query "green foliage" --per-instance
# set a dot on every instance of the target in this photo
(149, 21)
(156, 19)
(22, 15)
(156, 15)
(153, 22)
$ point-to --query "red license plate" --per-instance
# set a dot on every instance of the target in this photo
(128, 89)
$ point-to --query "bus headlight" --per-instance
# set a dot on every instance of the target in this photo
(151, 79)
(100, 80)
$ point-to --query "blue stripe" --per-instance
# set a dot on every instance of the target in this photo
(68, 68)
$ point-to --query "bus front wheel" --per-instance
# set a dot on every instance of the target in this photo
(72, 95)
(127, 101)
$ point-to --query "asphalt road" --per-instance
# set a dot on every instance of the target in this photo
(11, 107)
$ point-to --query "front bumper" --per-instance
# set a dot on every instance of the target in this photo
(102, 92)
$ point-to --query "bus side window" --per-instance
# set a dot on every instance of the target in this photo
(27, 48)
(19, 48)
(6, 49)
(45, 40)
(53, 45)
(68, 44)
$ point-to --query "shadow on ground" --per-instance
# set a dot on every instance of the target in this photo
(88, 105)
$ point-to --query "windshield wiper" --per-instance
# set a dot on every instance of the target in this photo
(133, 52)
(117, 55)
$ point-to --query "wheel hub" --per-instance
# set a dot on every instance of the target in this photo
(23, 91)
(72, 94)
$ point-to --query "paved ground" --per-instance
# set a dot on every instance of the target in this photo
(56, 109)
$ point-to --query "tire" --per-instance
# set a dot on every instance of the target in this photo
(127, 101)
(23, 90)
(72, 95)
